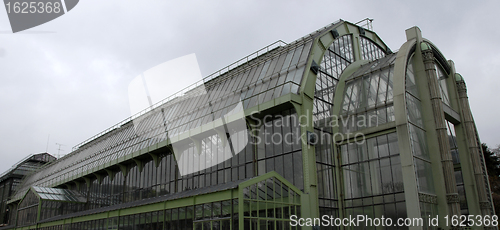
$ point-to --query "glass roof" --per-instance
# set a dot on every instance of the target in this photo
(58, 194)
(369, 93)
(276, 73)
(167, 197)
(27, 165)
(373, 66)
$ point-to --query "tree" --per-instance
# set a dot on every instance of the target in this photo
(493, 167)
(492, 161)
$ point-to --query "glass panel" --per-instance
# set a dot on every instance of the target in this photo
(373, 169)
(370, 50)
(424, 176)
(414, 110)
(411, 85)
(441, 76)
(419, 144)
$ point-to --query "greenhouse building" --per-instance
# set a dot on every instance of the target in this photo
(299, 135)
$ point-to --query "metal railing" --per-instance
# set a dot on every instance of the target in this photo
(15, 165)
(309, 36)
(94, 162)
(216, 74)
(366, 23)
(245, 60)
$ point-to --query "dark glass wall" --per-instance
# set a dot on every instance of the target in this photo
(269, 204)
(13, 177)
(28, 210)
(337, 57)
(279, 147)
(373, 181)
(371, 167)
(220, 215)
(273, 144)
(452, 137)
(6, 187)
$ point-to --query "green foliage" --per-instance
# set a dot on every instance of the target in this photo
(492, 161)
(493, 166)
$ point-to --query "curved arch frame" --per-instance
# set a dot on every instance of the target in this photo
(304, 110)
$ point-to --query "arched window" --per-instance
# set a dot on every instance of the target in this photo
(369, 50)
(441, 77)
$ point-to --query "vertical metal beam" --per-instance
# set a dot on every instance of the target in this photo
(124, 170)
(474, 148)
(466, 166)
(407, 161)
(156, 159)
(39, 210)
(139, 163)
(111, 174)
(241, 209)
(442, 135)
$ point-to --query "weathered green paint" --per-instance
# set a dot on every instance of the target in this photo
(110, 173)
(303, 104)
(123, 169)
(304, 110)
(265, 107)
(431, 134)
(463, 148)
(39, 211)
(368, 133)
(267, 176)
(262, 108)
(99, 177)
(188, 201)
(405, 149)
(87, 181)
(139, 163)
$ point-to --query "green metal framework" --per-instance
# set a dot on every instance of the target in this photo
(339, 72)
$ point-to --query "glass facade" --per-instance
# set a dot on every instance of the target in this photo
(43, 203)
(279, 147)
(145, 179)
(216, 215)
(10, 180)
(443, 88)
(269, 205)
(419, 148)
(452, 137)
(237, 151)
(417, 133)
(368, 99)
(337, 57)
(28, 209)
(373, 182)
(371, 168)
(274, 74)
(370, 50)
(220, 155)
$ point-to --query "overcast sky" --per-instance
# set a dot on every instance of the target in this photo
(68, 78)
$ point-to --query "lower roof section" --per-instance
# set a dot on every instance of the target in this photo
(270, 187)
(58, 194)
(159, 199)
